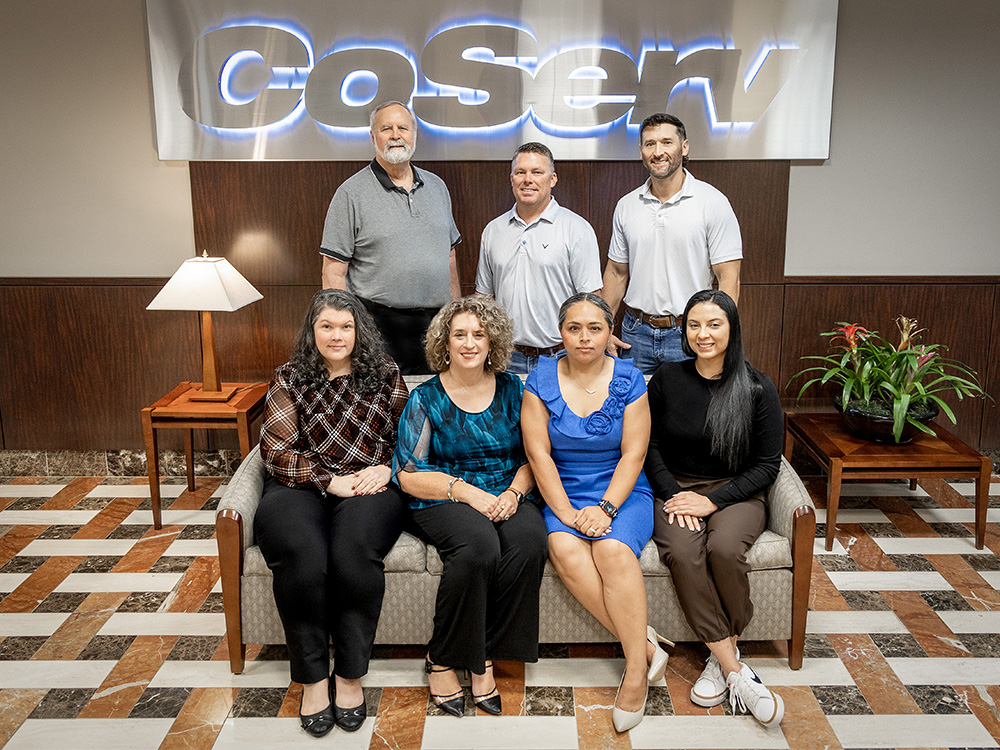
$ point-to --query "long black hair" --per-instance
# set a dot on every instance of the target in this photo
(731, 409)
(370, 365)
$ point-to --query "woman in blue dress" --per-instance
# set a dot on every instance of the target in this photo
(459, 455)
(586, 428)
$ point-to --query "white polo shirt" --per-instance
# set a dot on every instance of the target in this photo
(530, 269)
(671, 247)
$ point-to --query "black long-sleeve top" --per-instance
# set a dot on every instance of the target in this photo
(679, 442)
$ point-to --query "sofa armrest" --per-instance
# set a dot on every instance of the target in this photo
(784, 497)
(242, 495)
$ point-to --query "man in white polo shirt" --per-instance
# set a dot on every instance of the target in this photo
(535, 256)
(669, 238)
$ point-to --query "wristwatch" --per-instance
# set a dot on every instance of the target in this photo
(608, 507)
(518, 495)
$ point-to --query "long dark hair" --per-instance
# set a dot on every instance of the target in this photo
(370, 365)
(731, 409)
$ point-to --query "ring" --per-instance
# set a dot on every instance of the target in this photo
(591, 530)
(506, 518)
(502, 506)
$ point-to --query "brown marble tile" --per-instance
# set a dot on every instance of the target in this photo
(929, 630)
(203, 489)
(196, 584)
(686, 662)
(899, 512)
(293, 700)
(873, 675)
(863, 549)
(71, 494)
(805, 726)
(77, 464)
(40, 479)
(62, 703)
(549, 701)
(199, 722)
(984, 702)
(147, 550)
(108, 519)
(39, 584)
(966, 581)
(80, 627)
(126, 463)
(944, 493)
(593, 720)
(124, 685)
(16, 705)
(510, 682)
(823, 594)
(399, 724)
(16, 540)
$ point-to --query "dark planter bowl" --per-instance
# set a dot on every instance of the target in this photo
(878, 428)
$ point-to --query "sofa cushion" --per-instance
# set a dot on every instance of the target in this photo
(409, 555)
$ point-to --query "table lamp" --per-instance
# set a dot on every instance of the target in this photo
(207, 285)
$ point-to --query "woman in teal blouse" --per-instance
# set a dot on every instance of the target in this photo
(459, 455)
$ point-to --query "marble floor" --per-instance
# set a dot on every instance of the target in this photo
(111, 636)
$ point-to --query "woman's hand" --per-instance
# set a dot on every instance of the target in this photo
(371, 479)
(491, 506)
(592, 522)
(509, 500)
(691, 522)
(688, 507)
(342, 486)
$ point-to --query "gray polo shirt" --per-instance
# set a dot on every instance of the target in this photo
(532, 268)
(397, 244)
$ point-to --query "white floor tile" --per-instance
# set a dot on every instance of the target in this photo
(574, 672)
(910, 730)
(889, 581)
(972, 622)
(135, 490)
(84, 734)
(164, 623)
(946, 671)
(395, 673)
(992, 577)
(29, 623)
(62, 547)
(278, 734)
(694, 732)
(774, 672)
(10, 581)
(969, 488)
(864, 621)
(47, 517)
(30, 490)
(216, 674)
(956, 515)
(173, 517)
(500, 733)
(930, 546)
(880, 489)
(819, 547)
(119, 582)
(193, 548)
(854, 515)
(45, 674)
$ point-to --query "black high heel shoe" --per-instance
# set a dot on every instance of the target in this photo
(490, 702)
(319, 723)
(350, 719)
(452, 703)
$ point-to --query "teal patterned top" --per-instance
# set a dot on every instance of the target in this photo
(484, 449)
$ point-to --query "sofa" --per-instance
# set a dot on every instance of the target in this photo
(780, 560)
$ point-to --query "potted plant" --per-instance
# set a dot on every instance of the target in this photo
(892, 386)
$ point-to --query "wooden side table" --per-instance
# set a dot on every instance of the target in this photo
(844, 456)
(177, 411)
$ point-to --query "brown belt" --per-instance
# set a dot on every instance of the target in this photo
(534, 351)
(657, 321)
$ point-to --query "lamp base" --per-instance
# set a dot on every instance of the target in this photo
(222, 395)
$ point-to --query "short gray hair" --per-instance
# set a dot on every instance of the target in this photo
(393, 103)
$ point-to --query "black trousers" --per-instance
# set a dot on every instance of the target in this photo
(403, 330)
(487, 601)
(326, 556)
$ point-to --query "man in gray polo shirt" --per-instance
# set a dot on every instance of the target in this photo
(535, 256)
(669, 237)
(390, 239)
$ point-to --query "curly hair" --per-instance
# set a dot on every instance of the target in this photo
(492, 317)
(370, 365)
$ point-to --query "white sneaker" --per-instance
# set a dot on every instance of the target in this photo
(710, 688)
(747, 691)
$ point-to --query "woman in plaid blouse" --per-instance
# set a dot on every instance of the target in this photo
(330, 512)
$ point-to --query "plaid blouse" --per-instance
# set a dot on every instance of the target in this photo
(311, 434)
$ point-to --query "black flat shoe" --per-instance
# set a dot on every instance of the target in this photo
(490, 702)
(350, 719)
(452, 703)
(319, 723)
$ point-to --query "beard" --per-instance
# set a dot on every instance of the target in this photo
(395, 155)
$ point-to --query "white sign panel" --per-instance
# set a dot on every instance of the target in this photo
(232, 79)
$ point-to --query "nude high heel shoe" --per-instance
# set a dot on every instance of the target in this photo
(658, 665)
(626, 720)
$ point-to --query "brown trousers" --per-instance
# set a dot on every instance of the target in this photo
(709, 567)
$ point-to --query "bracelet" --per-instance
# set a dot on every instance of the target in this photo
(518, 495)
(451, 485)
(608, 507)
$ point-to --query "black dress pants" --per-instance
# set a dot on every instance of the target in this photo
(487, 601)
(326, 556)
(403, 330)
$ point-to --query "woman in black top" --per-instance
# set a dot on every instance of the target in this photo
(715, 448)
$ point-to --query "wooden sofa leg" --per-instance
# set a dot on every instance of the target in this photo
(803, 539)
(229, 532)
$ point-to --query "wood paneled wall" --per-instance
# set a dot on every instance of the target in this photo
(81, 357)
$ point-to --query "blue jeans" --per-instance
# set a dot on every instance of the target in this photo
(651, 347)
(522, 364)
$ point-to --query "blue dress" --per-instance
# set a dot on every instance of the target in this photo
(586, 451)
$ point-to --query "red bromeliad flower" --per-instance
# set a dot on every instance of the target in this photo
(851, 333)
(924, 357)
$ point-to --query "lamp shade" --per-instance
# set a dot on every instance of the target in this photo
(204, 283)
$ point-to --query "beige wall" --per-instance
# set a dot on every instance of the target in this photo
(911, 186)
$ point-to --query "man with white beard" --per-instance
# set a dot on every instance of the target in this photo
(390, 239)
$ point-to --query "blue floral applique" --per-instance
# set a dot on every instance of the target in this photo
(601, 421)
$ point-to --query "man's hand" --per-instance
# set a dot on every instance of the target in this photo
(614, 344)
